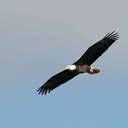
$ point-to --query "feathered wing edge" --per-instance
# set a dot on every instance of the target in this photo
(97, 49)
(113, 36)
(56, 81)
(43, 90)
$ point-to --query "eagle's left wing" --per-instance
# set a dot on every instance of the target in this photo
(97, 49)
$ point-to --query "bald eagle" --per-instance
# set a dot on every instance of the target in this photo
(83, 65)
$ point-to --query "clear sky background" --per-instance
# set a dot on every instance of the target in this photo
(37, 39)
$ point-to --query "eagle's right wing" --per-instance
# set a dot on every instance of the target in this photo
(56, 81)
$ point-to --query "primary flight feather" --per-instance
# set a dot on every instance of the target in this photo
(83, 65)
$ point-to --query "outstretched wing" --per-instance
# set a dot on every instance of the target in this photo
(56, 81)
(97, 49)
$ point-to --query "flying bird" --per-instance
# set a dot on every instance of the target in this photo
(83, 65)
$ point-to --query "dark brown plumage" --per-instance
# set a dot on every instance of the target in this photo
(88, 58)
(57, 80)
(97, 49)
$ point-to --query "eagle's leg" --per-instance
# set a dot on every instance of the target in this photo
(93, 71)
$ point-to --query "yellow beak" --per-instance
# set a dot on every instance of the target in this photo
(67, 68)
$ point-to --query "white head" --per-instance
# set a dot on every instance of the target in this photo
(70, 67)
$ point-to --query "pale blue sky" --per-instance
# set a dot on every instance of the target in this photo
(37, 39)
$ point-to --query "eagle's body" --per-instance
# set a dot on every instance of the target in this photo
(83, 65)
(86, 69)
(83, 69)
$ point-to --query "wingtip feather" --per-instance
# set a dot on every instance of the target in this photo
(113, 36)
(43, 90)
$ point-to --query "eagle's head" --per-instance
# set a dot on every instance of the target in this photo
(70, 67)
